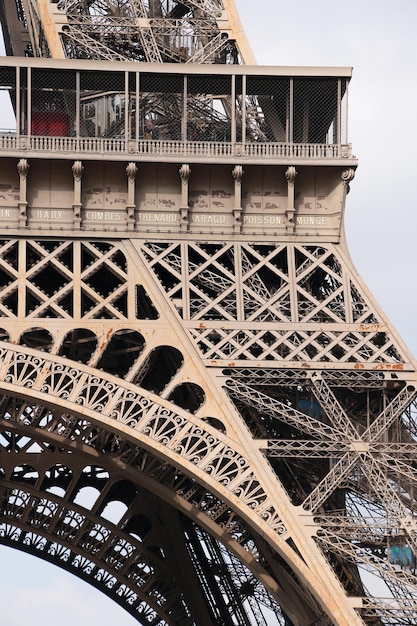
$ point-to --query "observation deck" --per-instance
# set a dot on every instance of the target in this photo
(116, 111)
(162, 120)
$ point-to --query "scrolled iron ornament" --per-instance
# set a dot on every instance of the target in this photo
(23, 372)
(348, 175)
(96, 393)
(64, 554)
(60, 382)
(160, 429)
(130, 409)
(196, 445)
(83, 564)
(69, 523)
(225, 474)
(10, 532)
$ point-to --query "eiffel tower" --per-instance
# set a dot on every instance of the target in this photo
(204, 413)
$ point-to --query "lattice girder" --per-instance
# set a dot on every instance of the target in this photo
(101, 272)
(351, 336)
(86, 267)
(120, 30)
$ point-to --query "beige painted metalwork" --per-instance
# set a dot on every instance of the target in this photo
(205, 414)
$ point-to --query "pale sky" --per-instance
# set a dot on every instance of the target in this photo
(377, 38)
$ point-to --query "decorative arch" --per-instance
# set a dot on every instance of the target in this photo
(197, 469)
(79, 344)
(188, 396)
(37, 338)
(82, 541)
(57, 479)
(123, 349)
(161, 365)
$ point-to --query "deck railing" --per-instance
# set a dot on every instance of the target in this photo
(171, 149)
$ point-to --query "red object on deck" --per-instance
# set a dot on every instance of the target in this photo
(50, 124)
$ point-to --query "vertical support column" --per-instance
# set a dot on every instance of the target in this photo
(29, 103)
(290, 175)
(18, 107)
(77, 128)
(184, 130)
(233, 112)
(292, 276)
(137, 112)
(186, 306)
(127, 112)
(77, 171)
(346, 114)
(240, 306)
(131, 171)
(337, 138)
(21, 282)
(77, 270)
(184, 172)
(291, 113)
(23, 169)
(237, 174)
(243, 109)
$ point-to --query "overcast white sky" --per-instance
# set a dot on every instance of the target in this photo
(378, 38)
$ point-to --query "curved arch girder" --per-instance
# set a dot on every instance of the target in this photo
(199, 450)
(78, 537)
(144, 417)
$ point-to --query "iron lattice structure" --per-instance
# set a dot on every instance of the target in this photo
(156, 31)
(204, 413)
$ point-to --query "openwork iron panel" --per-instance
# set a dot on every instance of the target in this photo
(324, 393)
(293, 303)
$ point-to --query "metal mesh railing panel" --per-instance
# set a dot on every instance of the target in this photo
(266, 109)
(315, 110)
(52, 103)
(160, 107)
(209, 108)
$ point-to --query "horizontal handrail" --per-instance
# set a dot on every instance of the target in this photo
(172, 148)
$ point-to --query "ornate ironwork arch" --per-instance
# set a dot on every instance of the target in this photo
(35, 519)
(175, 456)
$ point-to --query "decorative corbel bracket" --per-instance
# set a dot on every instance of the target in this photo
(77, 172)
(184, 172)
(131, 172)
(23, 169)
(237, 174)
(347, 176)
(290, 175)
